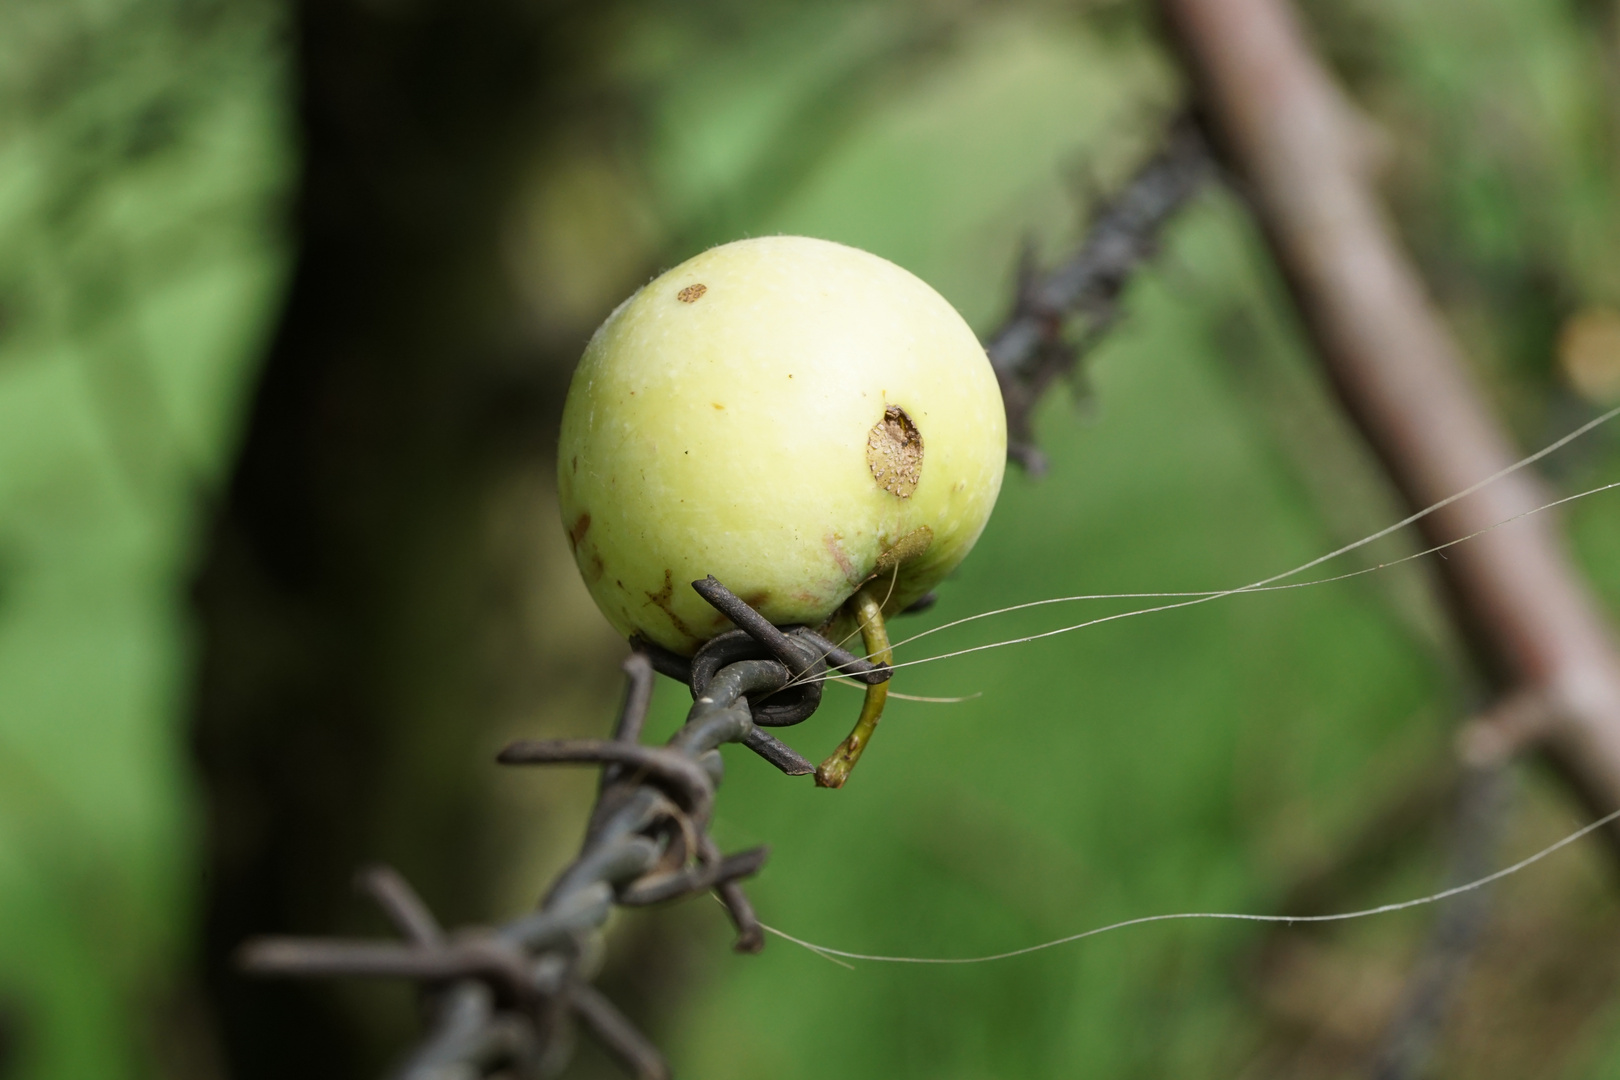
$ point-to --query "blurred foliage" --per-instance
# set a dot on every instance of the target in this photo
(1210, 759)
(143, 157)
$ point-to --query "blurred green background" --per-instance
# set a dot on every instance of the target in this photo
(288, 298)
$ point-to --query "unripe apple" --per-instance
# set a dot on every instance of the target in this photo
(797, 418)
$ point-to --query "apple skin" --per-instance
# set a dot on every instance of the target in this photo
(754, 414)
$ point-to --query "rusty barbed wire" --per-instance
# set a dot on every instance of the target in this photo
(502, 999)
(1033, 347)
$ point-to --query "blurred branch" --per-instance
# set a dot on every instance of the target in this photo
(1409, 1039)
(1031, 349)
(1531, 624)
(1528, 617)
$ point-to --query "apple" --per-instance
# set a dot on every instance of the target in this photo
(797, 418)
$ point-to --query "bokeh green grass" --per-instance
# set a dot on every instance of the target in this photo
(142, 161)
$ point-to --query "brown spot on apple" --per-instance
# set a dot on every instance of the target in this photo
(903, 550)
(894, 452)
(835, 548)
(576, 534)
(662, 599)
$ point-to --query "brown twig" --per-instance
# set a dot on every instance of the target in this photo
(1531, 625)
(1530, 621)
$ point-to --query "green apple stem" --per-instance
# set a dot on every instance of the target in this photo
(869, 610)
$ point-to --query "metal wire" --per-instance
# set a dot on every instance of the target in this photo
(1033, 348)
(503, 1000)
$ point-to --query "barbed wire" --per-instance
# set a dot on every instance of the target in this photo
(1033, 348)
(504, 1000)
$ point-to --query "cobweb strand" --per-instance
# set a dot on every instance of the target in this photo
(1382, 909)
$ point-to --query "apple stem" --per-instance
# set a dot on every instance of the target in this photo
(869, 610)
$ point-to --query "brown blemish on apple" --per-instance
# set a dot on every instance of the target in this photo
(663, 596)
(836, 549)
(756, 600)
(576, 534)
(903, 550)
(662, 600)
(590, 564)
(894, 452)
(691, 294)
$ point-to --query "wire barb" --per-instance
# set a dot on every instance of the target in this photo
(1030, 350)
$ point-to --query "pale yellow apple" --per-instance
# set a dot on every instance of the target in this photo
(793, 416)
